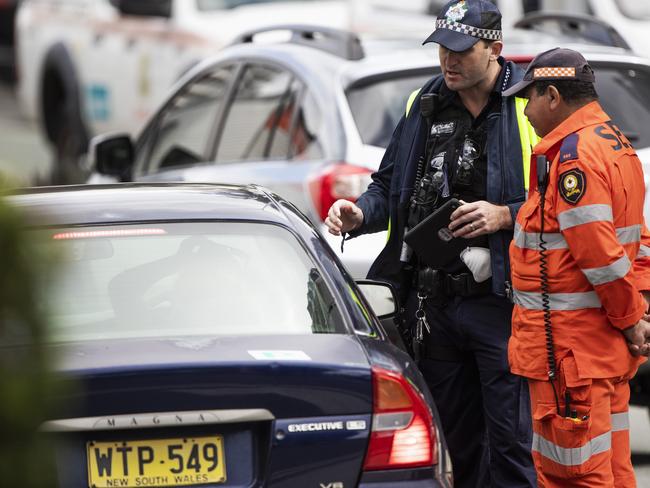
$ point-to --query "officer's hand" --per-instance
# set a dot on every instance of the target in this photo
(479, 218)
(638, 338)
(343, 216)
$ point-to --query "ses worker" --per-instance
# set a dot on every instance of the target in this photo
(580, 268)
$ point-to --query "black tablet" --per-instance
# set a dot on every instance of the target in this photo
(431, 239)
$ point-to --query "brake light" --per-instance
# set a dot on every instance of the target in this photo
(339, 180)
(108, 233)
(403, 435)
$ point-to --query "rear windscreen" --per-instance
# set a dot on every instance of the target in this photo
(183, 279)
(624, 92)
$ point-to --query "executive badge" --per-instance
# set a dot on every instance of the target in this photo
(572, 186)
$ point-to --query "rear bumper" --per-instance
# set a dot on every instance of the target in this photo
(412, 478)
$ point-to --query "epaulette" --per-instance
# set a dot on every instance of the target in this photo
(569, 148)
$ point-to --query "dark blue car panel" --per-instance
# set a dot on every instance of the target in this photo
(318, 396)
(324, 450)
(156, 376)
(124, 203)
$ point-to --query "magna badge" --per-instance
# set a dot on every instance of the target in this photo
(572, 186)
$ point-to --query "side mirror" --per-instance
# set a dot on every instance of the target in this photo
(145, 8)
(112, 155)
(380, 296)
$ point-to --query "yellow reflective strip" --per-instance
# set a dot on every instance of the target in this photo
(411, 99)
(389, 226)
(527, 136)
(356, 300)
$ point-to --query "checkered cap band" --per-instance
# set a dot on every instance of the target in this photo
(470, 30)
(554, 73)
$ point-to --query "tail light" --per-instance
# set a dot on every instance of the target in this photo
(403, 435)
(339, 180)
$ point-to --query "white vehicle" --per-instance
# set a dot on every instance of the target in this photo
(629, 17)
(312, 125)
(91, 66)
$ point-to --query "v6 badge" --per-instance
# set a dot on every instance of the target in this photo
(573, 185)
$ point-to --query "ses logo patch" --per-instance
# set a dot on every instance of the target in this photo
(572, 186)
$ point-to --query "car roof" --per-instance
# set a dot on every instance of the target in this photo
(137, 202)
(324, 71)
(518, 44)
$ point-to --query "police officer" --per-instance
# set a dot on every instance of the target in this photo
(580, 264)
(460, 138)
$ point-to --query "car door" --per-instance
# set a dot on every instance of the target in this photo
(268, 136)
(183, 132)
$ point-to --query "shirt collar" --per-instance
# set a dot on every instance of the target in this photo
(590, 114)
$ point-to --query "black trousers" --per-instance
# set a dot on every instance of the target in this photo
(484, 409)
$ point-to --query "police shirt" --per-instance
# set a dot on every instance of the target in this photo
(458, 144)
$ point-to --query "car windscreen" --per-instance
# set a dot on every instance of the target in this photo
(185, 279)
(206, 5)
(624, 92)
(378, 103)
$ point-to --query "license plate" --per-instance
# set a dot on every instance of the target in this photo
(156, 462)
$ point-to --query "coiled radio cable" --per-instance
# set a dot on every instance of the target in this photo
(542, 177)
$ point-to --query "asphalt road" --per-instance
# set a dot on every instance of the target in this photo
(24, 158)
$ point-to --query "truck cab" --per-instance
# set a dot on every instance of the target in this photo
(93, 66)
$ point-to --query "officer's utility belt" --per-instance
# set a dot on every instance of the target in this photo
(437, 283)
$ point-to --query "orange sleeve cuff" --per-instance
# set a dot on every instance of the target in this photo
(632, 318)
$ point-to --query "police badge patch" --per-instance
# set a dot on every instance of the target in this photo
(456, 12)
(573, 185)
(444, 128)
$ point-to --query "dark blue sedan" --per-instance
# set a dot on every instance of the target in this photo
(211, 338)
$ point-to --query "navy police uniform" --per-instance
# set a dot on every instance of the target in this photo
(484, 409)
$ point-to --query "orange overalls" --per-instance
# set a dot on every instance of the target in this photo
(596, 263)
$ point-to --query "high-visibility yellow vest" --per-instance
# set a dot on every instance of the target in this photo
(527, 136)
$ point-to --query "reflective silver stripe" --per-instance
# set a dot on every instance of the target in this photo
(644, 252)
(558, 301)
(606, 274)
(620, 421)
(585, 215)
(629, 235)
(572, 456)
(530, 240)
(555, 240)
